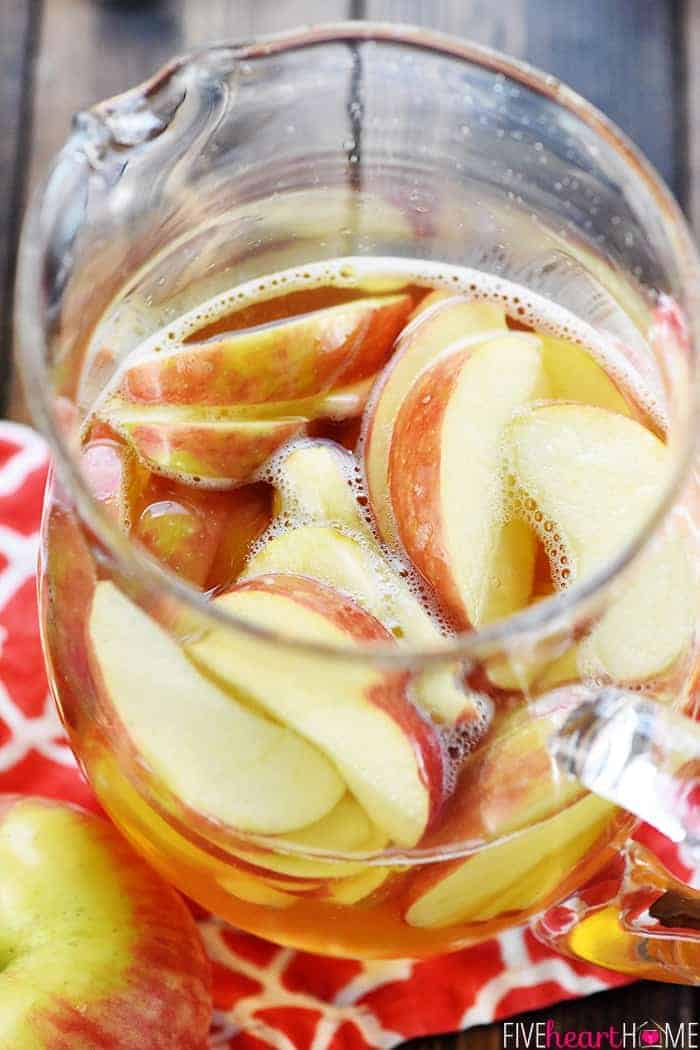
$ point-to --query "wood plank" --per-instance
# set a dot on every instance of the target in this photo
(18, 26)
(499, 25)
(623, 58)
(690, 34)
(233, 20)
(597, 47)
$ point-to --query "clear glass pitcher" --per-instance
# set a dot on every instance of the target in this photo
(357, 142)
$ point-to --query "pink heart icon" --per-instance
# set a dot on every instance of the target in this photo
(650, 1037)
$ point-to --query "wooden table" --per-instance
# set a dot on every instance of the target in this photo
(639, 60)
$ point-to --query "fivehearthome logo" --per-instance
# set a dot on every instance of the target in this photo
(630, 1035)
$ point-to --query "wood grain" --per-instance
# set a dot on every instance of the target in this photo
(598, 47)
(18, 26)
(690, 38)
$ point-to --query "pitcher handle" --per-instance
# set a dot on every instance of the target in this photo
(634, 917)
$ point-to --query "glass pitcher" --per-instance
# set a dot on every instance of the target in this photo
(321, 151)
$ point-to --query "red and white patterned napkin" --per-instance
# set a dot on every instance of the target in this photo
(264, 996)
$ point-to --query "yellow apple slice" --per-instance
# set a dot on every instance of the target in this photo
(358, 715)
(442, 323)
(353, 565)
(314, 485)
(313, 479)
(446, 477)
(283, 361)
(216, 756)
(515, 875)
(346, 829)
(575, 375)
(356, 888)
(596, 476)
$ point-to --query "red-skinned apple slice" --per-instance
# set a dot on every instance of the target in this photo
(260, 776)
(515, 875)
(96, 949)
(184, 528)
(354, 565)
(360, 716)
(446, 477)
(199, 446)
(314, 485)
(115, 477)
(222, 447)
(596, 476)
(510, 786)
(284, 361)
(441, 322)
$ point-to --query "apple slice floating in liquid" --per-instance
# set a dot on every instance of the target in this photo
(285, 361)
(213, 448)
(313, 481)
(360, 717)
(313, 484)
(441, 322)
(595, 476)
(354, 567)
(217, 756)
(446, 477)
(346, 829)
(574, 374)
(512, 875)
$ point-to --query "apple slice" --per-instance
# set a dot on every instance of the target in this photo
(355, 566)
(355, 888)
(259, 776)
(443, 322)
(115, 477)
(361, 717)
(446, 477)
(313, 484)
(222, 447)
(516, 875)
(509, 789)
(575, 375)
(97, 951)
(298, 358)
(199, 446)
(183, 533)
(596, 476)
(346, 829)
